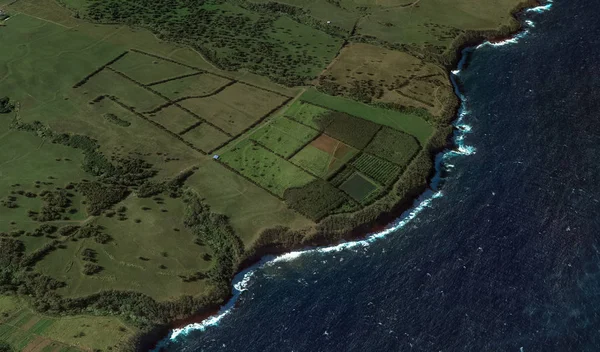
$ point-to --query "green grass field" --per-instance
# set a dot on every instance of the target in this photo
(284, 136)
(409, 123)
(306, 114)
(147, 69)
(173, 118)
(206, 137)
(265, 168)
(201, 84)
(25, 330)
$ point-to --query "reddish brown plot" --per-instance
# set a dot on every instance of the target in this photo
(325, 143)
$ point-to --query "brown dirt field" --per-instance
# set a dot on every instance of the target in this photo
(325, 143)
(394, 77)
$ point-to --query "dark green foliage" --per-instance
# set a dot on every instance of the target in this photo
(315, 199)
(5, 347)
(91, 268)
(56, 203)
(394, 146)
(214, 231)
(101, 197)
(44, 230)
(11, 252)
(68, 230)
(5, 105)
(126, 172)
(341, 176)
(37, 255)
(231, 36)
(93, 231)
(89, 255)
(116, 120)
(351, 130)
(378, 169)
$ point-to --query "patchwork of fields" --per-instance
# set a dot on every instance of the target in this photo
(149, 146)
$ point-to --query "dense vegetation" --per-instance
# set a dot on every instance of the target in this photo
(266, 39)
(315, 199)
(5, 105)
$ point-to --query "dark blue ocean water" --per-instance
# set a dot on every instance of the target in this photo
(507, 259)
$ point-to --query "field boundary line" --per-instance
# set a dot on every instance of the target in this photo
(202, 119)
(263, 118)
(249, 180)
(187, 97)
(209, 72)
(187, 129)
(174, 78)
(167, 99)
(167, 59)
(161, 127)
(98, 70)
(303, 146)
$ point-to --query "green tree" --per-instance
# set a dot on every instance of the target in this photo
(5, 105)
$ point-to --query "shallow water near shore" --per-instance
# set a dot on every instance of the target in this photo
(505, 257)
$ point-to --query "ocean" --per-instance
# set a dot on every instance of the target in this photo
(502, 255)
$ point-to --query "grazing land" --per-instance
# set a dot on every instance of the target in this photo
(151, 148)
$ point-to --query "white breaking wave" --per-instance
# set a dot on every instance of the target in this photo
(242, 280)
(543, 8)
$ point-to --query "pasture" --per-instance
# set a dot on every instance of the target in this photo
(372, 73)
(149, 69)
(205, 137)
(25, 330)
(150, 249)
(197, 85)
(307, 114)
(284, 136)
(173, 118)
(265, 168)
(236, 108)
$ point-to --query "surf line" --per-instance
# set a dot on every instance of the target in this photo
(243, 278)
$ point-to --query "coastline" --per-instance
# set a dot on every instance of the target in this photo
(456, 58)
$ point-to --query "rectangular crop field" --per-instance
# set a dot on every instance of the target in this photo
(394, 146)
(307, 114)
(236, 108)
(407, 122)
(147, 69)
(205, 137)
(378, 169)
(358, 186)
(173, 118)
(265, 168)
(284, 136)
(108, 82)
(324, 156)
